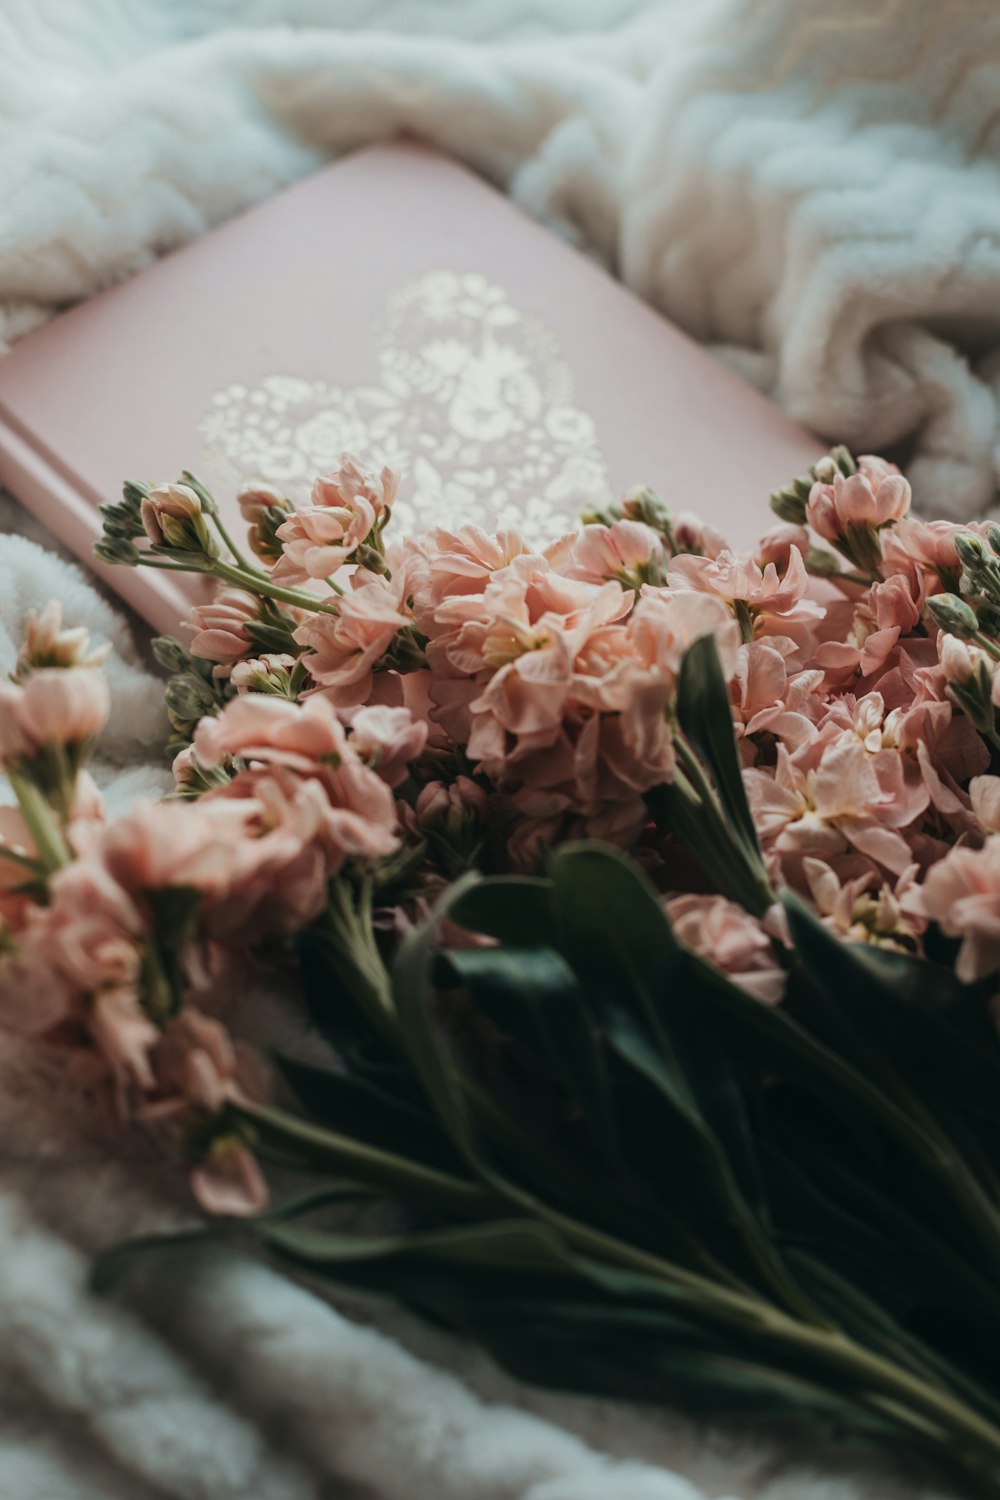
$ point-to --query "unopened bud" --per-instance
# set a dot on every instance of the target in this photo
(954, 615)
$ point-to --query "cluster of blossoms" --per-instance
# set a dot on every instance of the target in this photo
(354, 715)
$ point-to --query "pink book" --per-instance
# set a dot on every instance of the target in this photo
(394, 306)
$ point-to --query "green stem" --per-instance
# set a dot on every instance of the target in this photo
(53, 850)
(354, 1158)
(269, 590)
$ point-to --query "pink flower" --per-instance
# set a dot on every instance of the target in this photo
(53, 706)
(961, 892)
(221, 628)
(387, 739)
(835, 805)
(764, 601)
(775, 546)
(346, 507)
(256, 727)
(985, 794)
(47, 643)
(463, 562)
(927, 548)
(270, 673)
(729, 938)
(125, 1037)
(228, 1182)
(876, 496)
(769, 700)
(204, 846)
(345, 648)
(863, 908)
(626, 550)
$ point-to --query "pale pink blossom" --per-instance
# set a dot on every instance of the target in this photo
(345, 647)
(257, 727)
(984, 792)
(627, 550)
(775, 546)
(876, 496)
(863, 908)
(463, 562)
(763, 600)
(732, 940)
(318, 539)
(52, 706)
(49, 643)
(961, 892)
(270, 673)
(228, 1182)
(125, 1037)
(388, 740)
(221, 628)
(914, 546)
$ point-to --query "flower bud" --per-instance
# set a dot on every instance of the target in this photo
(173, 519)
(264, 509)
(954, 615)
(271, 673)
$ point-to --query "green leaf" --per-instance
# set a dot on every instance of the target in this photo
(359, 1108)
(706, 717)
(513, 909)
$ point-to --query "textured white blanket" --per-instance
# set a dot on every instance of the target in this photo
(810, 187)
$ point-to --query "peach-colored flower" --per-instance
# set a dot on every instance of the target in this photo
(961, 892)
(228, 1182)
(270, 673)
(775, 546)
(985, 794)
(914, 546)
(626, 550)
(765, 601)
(770, 700)
(318, 539)
(157, 845)
(463, 562)
(730, 939)
(345, 648)
(875, 496)
(388, 740)
(264, 509)
(93, 927)
(125, 1037)
(48, 643)
(257, 727)
(53, 706)
(864, 908)
(838, 803)
(221, 628)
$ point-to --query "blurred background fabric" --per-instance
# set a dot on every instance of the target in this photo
(812, 189)
(809, 188)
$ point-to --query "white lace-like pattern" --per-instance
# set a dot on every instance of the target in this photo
(474, 407)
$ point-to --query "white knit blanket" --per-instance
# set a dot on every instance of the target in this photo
(812, 188)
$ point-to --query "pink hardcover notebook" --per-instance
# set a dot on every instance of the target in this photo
(394, 306)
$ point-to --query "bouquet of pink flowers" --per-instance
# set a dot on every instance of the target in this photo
(645, 897)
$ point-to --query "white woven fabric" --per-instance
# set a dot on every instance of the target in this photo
(812, 188)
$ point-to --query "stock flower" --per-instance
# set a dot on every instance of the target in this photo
(984, 792)
(52, 706)
(463, 562)
(775, 546)
(345, 647)
(387, 739)
(49, 643)
(257, 727)
(270, 673)
(627, 550)
(863, 908)
(221, 633)
(961, 892)
(125, 1037)
(732, 940)
(318, 539)
(172, 516)
(853, 510)
(264, 509)
(764, 601)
